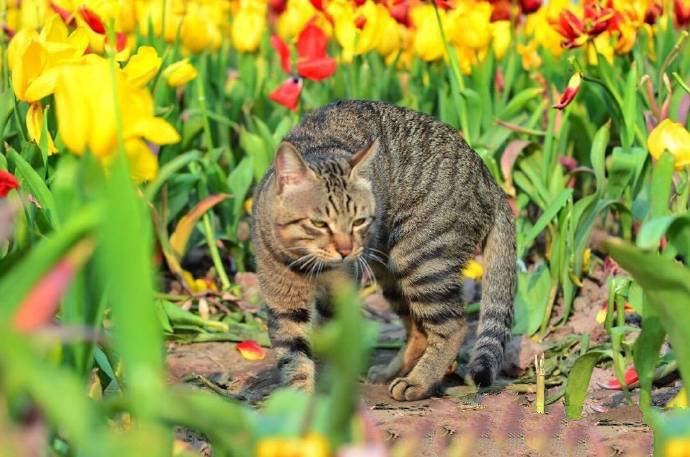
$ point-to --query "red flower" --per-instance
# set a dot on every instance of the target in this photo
(120, 41)
(277, 6)
(67, 17)
(570, 91)
(444, 4)
(360, 22)
(312, 43)
(682, 8)
(654, 11)
(530, 6)
(312, 63)
(400, 11)
(287, 94)
(500, 11)
(316, 69)
(7, 183)
(359, 2)
(576, 31)
(251, 350)
(92, 20)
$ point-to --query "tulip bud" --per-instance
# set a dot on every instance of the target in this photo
(288, 93)
(179, 73)
(530, 6)
(570, 91)
(7, 183)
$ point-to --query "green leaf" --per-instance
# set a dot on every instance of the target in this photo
(36, 185)
(598, 155)
(667, 287)
(15, 284)
(662, 185)
(531, 300)
(552, 211)
(646, 353)
(168, 170)
(630, 111)
(578, 382)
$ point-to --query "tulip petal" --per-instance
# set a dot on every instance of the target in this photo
(316, 69)
(251, 350)
(288, 93)
(7, 183)
(179, 73)
(473, 270)
(143, 66)
(143, 163)
(93, 20)
(42, 86)
(282, 49)
(312, 42)
(630, 378)
(156, 130)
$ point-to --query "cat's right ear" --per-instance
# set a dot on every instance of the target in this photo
(291, 170)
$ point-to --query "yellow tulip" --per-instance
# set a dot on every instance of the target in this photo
(601, 45)
(198, 33)
(248, 27)
(312, 445)
(428, 44)
(680, 400)
(86, 115)
(530, 57)
(179, 73)
(470, 27)
(143, 164)
(391, 36)
(473, 270)
(34, 126)
(152, 16)
(677, 447)
(501, 38)
(296, 16)
(143, 66)
(672, 137)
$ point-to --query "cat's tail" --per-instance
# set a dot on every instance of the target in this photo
(498, 293)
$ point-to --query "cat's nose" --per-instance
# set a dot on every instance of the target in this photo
(343, 244)
(344, 250)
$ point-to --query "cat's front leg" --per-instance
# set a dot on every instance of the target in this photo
(288, 329)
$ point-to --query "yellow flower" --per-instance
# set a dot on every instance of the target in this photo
(680, 400)
(295, 17)
(86, 115)
(179, 73)
(248, 26)
(677, 447)
(32, 58)
(248, 205)
(34, 125)
(530, 57)
(601, 45)
(473, 270)
(428, 44)
(198, 33)
(672, 137)
(501, 38)
(153, 16)
(312, 445)
(143, 66)
(470, 26)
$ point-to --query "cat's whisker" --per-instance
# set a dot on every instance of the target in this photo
(378, 251)
(299, 260)
(369, 269)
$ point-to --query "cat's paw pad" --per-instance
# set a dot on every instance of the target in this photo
(406, 389)
(379, 374)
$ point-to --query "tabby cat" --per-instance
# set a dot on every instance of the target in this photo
(363, 184)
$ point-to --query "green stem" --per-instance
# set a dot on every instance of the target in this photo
(215, 255)
(457, 83)
(201, 98)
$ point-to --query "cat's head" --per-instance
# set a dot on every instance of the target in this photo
(322, 211)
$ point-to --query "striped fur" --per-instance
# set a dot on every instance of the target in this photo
(367, 185)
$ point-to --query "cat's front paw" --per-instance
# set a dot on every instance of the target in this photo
(380, 374)
(407, 389)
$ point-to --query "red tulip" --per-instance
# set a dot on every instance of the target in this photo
(287, 94)
(42, 302)
(630, 378)
(530, 6)
(359, 2)
(444, 4)
(316, 69)
(7, 183)
(92, 20)
(360, 22)
(570, 91)
(501, 11)
(577, 31)
(67, 17)
(318, 4)
(400, 11)
(312, 42)
(682, 8)
(283, 51)
(654, 11)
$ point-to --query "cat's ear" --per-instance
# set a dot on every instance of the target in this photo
(363, 157)
(290, 167)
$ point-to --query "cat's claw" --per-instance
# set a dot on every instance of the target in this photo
(405, 389)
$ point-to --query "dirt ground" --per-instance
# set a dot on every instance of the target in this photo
(498, 423)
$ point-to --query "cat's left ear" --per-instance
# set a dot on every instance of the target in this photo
(363, 157)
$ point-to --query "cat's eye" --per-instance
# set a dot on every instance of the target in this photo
(318, 224)
(359, 221)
